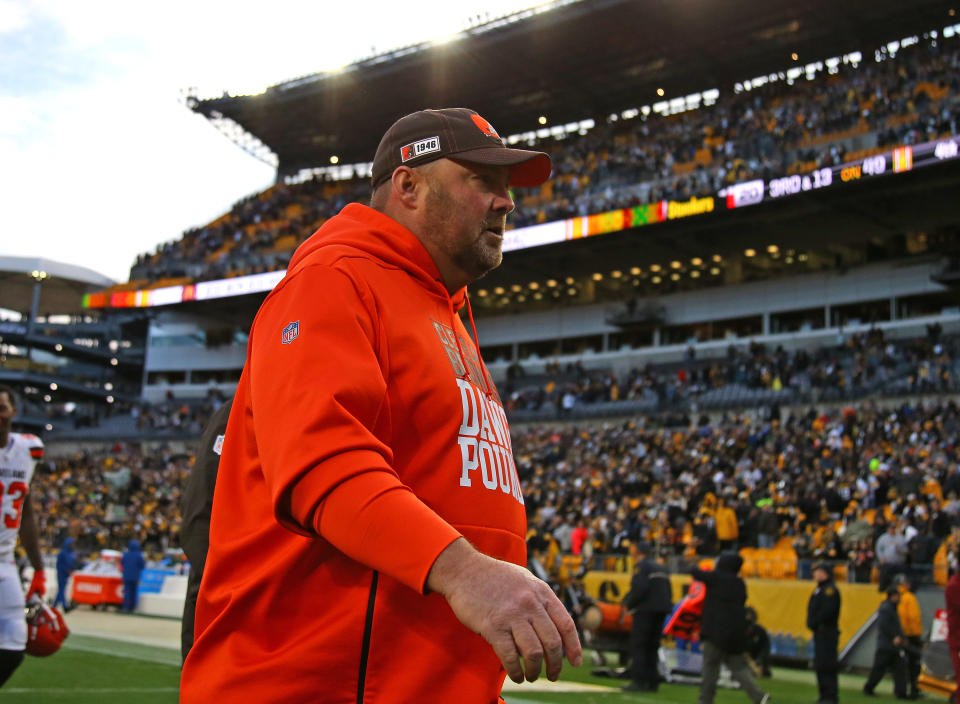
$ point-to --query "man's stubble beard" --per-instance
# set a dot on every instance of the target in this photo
(475, 257)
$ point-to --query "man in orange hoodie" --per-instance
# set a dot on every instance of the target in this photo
(367, 532)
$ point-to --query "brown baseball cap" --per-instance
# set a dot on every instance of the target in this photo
(456, 133)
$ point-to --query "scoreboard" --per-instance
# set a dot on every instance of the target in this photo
(897, 161)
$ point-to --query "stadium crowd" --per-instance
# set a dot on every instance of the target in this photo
(830, 484)
(864, 362)
(771, 130)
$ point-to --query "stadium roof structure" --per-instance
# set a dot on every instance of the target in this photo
(566, 60)
(62, 289)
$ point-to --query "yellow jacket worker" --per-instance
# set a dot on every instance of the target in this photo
(911, 622)
(726, 525)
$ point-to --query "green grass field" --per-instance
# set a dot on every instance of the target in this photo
(91, 670)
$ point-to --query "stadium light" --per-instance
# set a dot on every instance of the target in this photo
(53, 386)
(616, 273)
(635, 271)
(660, 92)
(58, 347)
(498, 290)
(114, 361)
(795, 56)
(538, 296)
(108, 386)
(674, 276)
(654, 268)
(482, 293)
(675, 264)
(695, 274)
(572, 291)
(656, 279)
(552, 283)
(696, 261)
(521, 298)
(773, 249)
(516, 288)
(109, 399)
(334, 159)
(597, 276)
(533, 285)
(715, 271)
(749, 252)
(717, 258)
(48, 426)
(542, 119)
(569, 280)
(47, 398)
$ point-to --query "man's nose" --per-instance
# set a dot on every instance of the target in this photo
(503, 202)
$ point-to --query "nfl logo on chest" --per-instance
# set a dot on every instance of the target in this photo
(290, 332)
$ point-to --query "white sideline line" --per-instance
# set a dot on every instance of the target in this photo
(174, 659)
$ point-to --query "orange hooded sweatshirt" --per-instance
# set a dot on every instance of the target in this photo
(365, 437)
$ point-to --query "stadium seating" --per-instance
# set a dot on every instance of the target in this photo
(766, 132)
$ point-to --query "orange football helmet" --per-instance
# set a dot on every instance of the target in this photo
(46, 630)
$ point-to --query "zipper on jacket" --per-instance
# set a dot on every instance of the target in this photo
(367, 629)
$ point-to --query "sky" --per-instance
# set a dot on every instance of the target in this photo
(100, 160)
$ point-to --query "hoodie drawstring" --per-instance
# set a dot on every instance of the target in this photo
(488, 386)
(456, 337)
(476, 340)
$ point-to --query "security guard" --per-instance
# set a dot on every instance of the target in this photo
(823, 613)
(650, 600)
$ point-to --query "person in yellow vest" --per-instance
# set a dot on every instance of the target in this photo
(911, 622)
(726, 526)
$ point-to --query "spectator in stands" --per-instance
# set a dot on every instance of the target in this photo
(579, 537)
(726, 525)
(862, 559)
(891, 549)
(768, 527)
(132, 564)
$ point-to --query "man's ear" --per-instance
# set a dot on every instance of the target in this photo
(408, 186)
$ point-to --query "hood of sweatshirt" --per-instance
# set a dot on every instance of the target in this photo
(729, 562)
(362, 228)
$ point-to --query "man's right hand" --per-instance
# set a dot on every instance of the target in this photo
(518, 614)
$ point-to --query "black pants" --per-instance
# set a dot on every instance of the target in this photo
(9, 661)
(644, 647)
(825, 662)
(888, 660)
(914, 650)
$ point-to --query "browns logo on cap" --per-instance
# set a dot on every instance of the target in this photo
(458, 133)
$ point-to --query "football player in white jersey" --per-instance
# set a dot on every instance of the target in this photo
(18, 455)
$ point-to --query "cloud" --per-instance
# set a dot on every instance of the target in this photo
(13, 16)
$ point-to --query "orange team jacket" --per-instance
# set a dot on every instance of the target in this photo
(365, 437)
